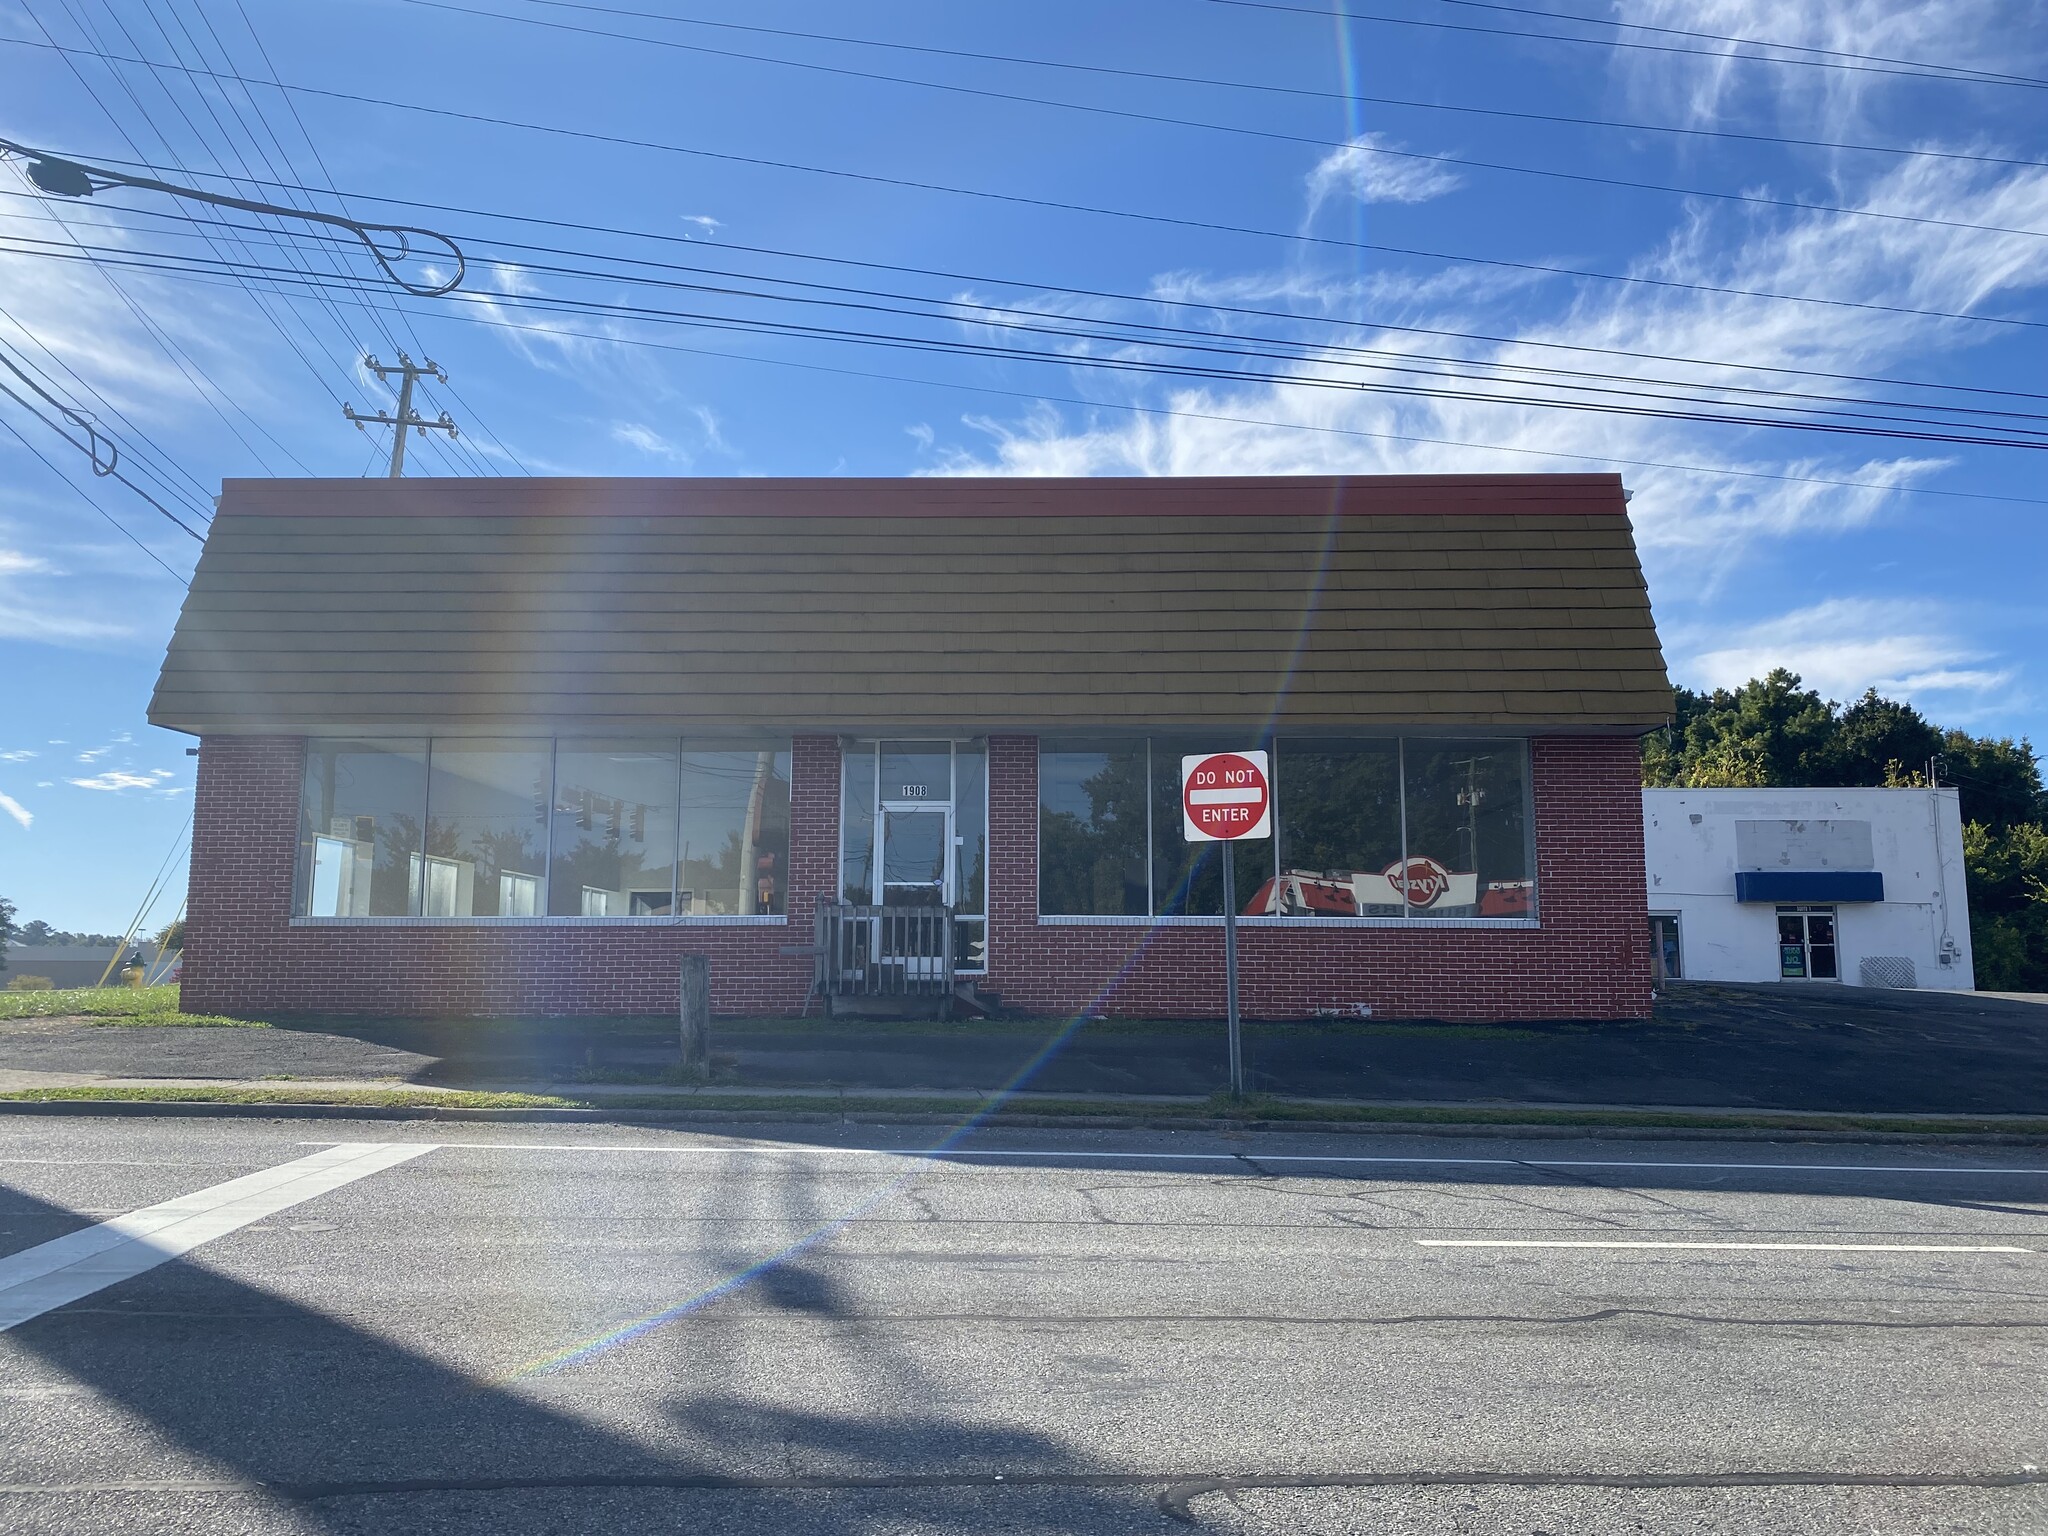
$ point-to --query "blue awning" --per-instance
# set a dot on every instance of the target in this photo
(1809, 885)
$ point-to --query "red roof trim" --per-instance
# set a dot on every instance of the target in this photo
(1285, 496)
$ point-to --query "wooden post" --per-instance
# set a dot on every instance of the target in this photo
(695, 1013)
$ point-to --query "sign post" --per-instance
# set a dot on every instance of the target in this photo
(1227, 797)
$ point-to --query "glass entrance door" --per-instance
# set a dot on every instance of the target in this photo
(913, 831)
(1806, 944)
(915, 869)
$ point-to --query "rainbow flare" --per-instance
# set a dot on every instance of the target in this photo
(585, 1350)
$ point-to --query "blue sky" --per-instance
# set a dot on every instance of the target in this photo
(1758, 554)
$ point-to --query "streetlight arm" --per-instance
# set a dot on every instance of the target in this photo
(71, 178)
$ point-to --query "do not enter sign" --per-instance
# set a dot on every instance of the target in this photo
(1225, 797)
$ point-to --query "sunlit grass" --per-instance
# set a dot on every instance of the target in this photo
(366, 1098)
(118, 1006)
(1217, 1112)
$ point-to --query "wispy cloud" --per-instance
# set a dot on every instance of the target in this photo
(1970, 34)
(707, 437)
(1367, 171)
(648, 441)
(14, 808)
(18, 755)
(1904, 649)
(1706, 523)
(115, 780)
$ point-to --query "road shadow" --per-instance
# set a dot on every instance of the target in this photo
(333, 1427)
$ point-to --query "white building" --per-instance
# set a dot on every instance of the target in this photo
(1863, 886)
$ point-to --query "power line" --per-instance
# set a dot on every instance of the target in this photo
(89, 448)
(327, 176)
(1880, 425)
(1122, 327)
(1093, 210)
(1306, 92)
(1745, 42)
(1129, 115)
(119, 527)
(1248, 421)
(292, 251)
(179, 358)
(1715, 471)
(1952, 74)
(156, 79)
(149, 461)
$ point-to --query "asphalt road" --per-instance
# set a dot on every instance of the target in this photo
(584, 1329)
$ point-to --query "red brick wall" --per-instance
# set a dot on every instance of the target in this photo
(1590, 958)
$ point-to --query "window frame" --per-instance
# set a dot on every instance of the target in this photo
(680, 746)
(1274, 745)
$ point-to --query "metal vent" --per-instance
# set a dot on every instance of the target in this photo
(1888, 971)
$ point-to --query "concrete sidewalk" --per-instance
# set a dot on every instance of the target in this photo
(1809, 1048)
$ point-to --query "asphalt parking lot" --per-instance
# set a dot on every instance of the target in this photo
(333, 1326)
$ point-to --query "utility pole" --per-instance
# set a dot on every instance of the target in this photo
(406, 417)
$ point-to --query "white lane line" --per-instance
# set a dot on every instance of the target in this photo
(963, 1153)
(67, 1268)
(1489, 1242)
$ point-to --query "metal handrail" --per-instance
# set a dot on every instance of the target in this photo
(883, 951)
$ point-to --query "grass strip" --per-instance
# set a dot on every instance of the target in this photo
(373, 1098)
(123, 1007)
(1254, 1111)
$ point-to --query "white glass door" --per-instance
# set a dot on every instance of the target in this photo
(913, 832)
(915, 869)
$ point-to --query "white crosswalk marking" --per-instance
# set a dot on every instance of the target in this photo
(67, 1268)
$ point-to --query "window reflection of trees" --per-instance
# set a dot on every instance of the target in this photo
(1092, 845)
(1339, 830)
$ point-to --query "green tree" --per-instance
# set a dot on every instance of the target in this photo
(2008, 905)
(7, 929)
(1999, 779)
(1877, 740)
(1769, 731)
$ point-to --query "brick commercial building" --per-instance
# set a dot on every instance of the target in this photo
(517, 746)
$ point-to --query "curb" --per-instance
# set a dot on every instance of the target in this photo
(199, 1109)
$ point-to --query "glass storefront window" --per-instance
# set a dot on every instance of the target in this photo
(1369, 827)
(970, 855)
(487, 830)
(1092, 829)
(735, 834)
(614, 832)
(468, 828)
(1340, 830)
(1468, 828)
(857, 824)
(1187, 878)
(361, 809)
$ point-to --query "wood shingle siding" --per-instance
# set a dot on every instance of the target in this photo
(566, 606)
